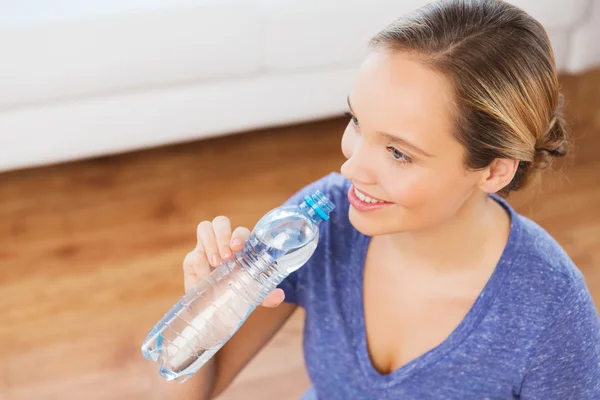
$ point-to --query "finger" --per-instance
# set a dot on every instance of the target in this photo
(195, 263)
(222, 228)
(207, 241)
(274, 298)
(189, 281)
(239, 237)
(195, 267)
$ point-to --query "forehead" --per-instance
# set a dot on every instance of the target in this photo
(396, 92)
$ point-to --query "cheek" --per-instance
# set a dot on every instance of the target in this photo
(407, 186)
(424, 188)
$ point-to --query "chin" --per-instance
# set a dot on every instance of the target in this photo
(371, 225)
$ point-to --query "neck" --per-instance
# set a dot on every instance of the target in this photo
(459, 243)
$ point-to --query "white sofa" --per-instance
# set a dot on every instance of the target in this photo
(82, 78)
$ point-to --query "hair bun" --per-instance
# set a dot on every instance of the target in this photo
(555, 142)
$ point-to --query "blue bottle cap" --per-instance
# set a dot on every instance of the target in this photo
(321, 204)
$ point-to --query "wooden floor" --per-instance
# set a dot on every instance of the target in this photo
(91, 252)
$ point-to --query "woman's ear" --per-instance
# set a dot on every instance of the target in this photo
(498, 175)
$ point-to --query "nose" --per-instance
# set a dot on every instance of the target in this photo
(358, 167)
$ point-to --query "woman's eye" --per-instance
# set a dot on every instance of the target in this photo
(352, 118)
(398, 155)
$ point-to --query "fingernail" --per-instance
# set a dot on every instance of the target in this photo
(236, 242)
(280, 295)
(225, 253)
(215, 260)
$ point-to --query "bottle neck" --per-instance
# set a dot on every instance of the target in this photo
(310, 213)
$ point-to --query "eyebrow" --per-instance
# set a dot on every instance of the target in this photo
(395, 138)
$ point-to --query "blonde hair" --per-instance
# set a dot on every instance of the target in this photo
(501, 64)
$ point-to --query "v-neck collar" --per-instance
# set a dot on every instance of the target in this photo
(477, 311)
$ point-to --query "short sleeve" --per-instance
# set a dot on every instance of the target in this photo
(290, 283)
(566, 361)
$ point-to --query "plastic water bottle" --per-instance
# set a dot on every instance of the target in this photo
(208, 315)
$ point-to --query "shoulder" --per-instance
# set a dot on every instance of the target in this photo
(538, 257)
(544, 254)
(564, 352)
(545, 260)
(548, 314)
(543, 277)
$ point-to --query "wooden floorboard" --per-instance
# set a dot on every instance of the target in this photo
(91, 251)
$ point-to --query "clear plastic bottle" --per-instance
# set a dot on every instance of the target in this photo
(208, 315)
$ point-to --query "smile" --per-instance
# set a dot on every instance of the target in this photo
(366, 198)
(364, 202)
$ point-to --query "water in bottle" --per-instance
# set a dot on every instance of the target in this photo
(208, 315)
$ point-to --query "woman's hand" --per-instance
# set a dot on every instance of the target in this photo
(215, 244)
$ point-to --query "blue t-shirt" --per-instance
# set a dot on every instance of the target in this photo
(532, 333)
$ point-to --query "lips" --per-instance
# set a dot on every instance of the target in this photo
(363, 202)
(367, 198)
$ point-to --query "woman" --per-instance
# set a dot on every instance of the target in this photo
(426, 284)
